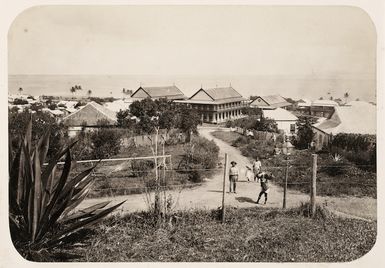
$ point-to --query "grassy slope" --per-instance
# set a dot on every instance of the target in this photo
(249, 235)
(351, 180)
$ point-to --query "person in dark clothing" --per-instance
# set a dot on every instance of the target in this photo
(264, 178)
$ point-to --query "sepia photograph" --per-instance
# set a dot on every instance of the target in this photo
(192, 133)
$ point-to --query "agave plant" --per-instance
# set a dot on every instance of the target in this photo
(337, 157)
(42, 198)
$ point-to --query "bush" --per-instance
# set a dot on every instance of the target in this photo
(20, 102)
(200, 156)
(105, 142)
(240, 141)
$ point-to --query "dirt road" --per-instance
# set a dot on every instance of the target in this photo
(209, 195)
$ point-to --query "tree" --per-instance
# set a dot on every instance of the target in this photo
(20, 102)
(189, 120)
(251, 111)
(89, 92)
(346, 96)
(20, 90)
(321, 98)
(73, 90)
(145, 107)
(52, 106)
(305, 133)
(105, 143)
(123, 118)
(266, 124)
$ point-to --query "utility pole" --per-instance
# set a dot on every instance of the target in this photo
(313, 191)
(224, 190)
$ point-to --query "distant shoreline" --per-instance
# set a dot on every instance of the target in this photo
(310, 87)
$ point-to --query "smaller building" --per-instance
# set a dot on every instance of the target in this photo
(359, 118)
(270, 102)
(322, 108)
(168, 92)
(89, 116)
(286, 121)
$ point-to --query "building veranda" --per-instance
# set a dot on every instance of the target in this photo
(217, 105)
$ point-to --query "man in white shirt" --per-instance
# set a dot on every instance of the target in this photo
(233, 176)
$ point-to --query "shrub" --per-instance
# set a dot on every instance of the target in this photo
(41, 201)
(20, 102)
(200, 156)
(105, 142)
(240, 141)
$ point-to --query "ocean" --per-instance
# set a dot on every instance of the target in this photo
(310, 87)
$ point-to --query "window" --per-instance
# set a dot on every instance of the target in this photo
(292, 128)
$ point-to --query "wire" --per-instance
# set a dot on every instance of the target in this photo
(152, 187)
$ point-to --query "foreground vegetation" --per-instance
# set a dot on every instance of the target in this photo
(335, 176)
(248, 235)
(42, 200)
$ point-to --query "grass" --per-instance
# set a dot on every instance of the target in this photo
(248, 235)
(227, 136)
(333, 179)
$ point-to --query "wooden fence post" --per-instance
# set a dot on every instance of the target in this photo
(313, 191)
(285, 185)
(224, 190)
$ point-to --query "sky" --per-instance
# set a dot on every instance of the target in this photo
(294, 42)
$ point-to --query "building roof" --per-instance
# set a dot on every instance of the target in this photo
(328, 103)
(89, 115)
(355, 119)
(169, 92)
(270, 100)
(117, 105)
(54, 112)
(279, 114)
(218, 95)
(304, 103)
(358, 103)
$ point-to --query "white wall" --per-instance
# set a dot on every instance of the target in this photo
(285, 126)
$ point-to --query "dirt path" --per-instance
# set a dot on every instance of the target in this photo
(209, 195)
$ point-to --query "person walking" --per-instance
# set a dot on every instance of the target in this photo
(264, 179)
(257, 165)
(249, 174)
(233, 176)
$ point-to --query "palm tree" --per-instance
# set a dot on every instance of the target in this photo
(20, 90)
(124, 91)
(73, 90)
(346, 96)
(89, 92)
